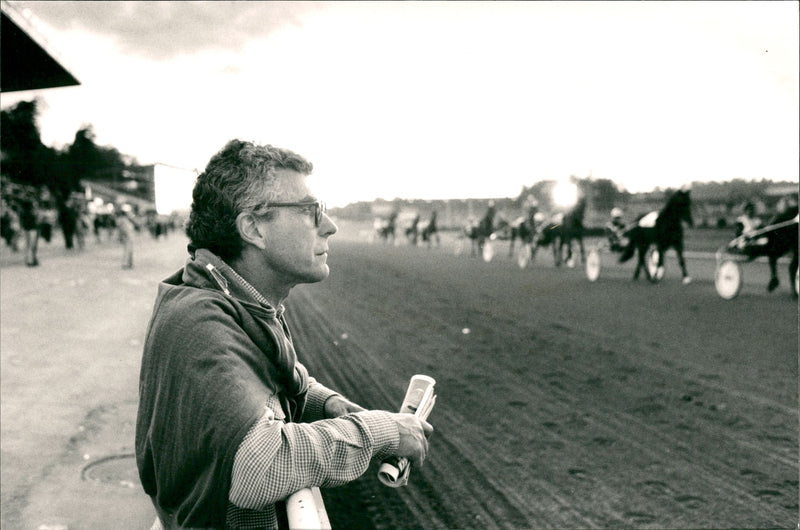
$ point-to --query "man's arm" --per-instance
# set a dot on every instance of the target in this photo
(324, 403)
(277, 458)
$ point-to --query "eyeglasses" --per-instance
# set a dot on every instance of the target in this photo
(319, 208)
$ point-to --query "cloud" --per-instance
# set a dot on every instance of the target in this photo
(162, 30)
(440, 98)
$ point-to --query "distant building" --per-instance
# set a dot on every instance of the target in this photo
(158, 187)
(781, 190)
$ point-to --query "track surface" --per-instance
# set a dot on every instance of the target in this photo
(568, 404)
(562, 403)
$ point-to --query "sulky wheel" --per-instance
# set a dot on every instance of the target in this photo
(651, 261)
(523, 255)
(488, 251)
(728, 279)
(593, 265)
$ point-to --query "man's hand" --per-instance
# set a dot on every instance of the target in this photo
(336, 406)
(414, 434)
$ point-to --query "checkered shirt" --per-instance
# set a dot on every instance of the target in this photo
(277, 458)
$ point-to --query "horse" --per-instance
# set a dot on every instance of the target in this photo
(386, 229)
(430, 233)
(412, 232)
(780, 238)
(572, 229)
(477, 232)
(548, 234)
(483, 231)
(665, 232)
(524, 229)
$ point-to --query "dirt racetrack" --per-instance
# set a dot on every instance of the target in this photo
(562, 403)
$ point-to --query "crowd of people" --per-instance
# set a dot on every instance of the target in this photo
(30, 217)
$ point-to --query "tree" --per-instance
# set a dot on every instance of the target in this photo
(21, 145)
(86, 160)
(605, 194)
(26, 160)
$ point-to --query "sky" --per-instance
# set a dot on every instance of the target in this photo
(436, 100)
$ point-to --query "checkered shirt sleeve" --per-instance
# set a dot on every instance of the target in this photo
(277, 459)
(316, 397)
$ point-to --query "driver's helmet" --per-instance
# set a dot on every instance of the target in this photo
(539, 217)
(616, 213)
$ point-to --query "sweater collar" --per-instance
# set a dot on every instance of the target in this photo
(207, 270)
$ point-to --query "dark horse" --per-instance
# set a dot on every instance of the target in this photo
(571, 229)
(665, 233)
(776, 239)
(412, 232)
(479, 233)
(386, 229)
(430, 233)
(523, 229)
(561, 231)
(548, 234)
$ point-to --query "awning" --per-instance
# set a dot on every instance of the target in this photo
(25, 64)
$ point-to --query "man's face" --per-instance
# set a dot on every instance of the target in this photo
(297, 250)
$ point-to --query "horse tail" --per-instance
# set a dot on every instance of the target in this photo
(630, 249)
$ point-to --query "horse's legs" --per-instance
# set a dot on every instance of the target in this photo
(481, 243)
(773, 280)
(660, 263)
(640, 262)
(793, 273)
(682, 262)
(583, 252)
(511, 244)
(557, 251)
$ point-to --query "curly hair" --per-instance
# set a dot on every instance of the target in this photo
(239, 178)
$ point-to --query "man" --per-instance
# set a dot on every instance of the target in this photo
(29, 220)
(487, 223)
(747, 223)
(615, 231)
(230, 423)
(126, 229)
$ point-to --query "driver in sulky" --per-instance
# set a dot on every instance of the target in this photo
(615, 230)
(747, 222)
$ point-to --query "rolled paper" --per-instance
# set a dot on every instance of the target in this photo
(419, 401)
(390, 474)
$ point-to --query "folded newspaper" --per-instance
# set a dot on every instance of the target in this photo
(419, 401)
